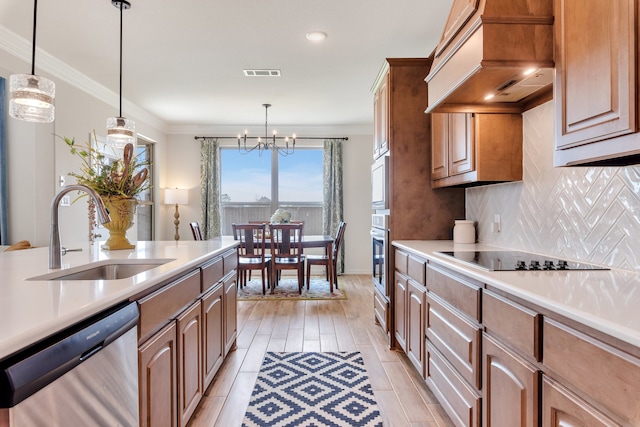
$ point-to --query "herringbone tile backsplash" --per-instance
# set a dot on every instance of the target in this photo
(590, 214)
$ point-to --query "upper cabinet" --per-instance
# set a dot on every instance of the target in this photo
(494, 56)
(381, 115)
(472, 149)
(596, 82)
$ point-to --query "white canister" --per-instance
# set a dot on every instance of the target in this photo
(464, 231)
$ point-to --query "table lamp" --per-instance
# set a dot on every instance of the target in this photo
(176, 196)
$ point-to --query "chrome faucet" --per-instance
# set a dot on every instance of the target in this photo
(55, 250)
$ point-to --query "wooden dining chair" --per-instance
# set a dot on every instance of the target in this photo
(286, 251)
(324, 259)
(252, 252)
(196, 230)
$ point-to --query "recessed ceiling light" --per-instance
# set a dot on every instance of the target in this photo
(316, 36)
(529, 71)
(488, 97)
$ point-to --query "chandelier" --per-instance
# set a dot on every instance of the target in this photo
(286, 148)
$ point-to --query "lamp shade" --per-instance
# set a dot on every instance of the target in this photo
(120, 132)
(32, 98)
(176, 196)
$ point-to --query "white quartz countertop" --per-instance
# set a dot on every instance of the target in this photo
(34, 309)
(605, 300)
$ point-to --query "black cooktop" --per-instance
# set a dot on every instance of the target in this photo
(517, 261)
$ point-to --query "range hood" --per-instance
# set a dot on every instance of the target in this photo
(495, 56)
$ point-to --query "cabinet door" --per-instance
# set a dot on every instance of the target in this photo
(561, 408)
(595, 87)
(511, 387)
(382, 113)
(189, 333)
(400, 310)
(461, 148)
(212, 334)
(416, 303)
(158, 379)
(230, 312)
(439, 145)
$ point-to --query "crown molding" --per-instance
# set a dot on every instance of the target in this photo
(20, 48)
(258, 130)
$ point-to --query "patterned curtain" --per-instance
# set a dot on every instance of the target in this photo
(210, 187)
(333, 204)
(4, 202)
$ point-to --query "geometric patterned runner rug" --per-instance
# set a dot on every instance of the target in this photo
(312, 389)
(287, 289)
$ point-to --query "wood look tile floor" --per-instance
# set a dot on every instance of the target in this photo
(342, 325)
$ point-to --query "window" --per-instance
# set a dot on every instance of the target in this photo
(253, 186)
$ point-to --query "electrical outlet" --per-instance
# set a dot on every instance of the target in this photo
(66, 201)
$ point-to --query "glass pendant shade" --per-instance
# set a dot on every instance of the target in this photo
(32, 98)
(120, 132)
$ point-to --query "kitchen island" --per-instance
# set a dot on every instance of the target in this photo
(186, 294)
(519, 348)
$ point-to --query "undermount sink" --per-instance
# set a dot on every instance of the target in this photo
(104, 270)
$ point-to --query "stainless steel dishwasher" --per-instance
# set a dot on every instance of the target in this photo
(86, 375)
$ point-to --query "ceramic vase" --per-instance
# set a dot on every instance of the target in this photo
(121, 210)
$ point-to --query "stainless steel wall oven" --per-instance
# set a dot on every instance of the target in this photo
(380, 252)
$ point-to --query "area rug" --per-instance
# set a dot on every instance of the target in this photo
(312, 389)
(288, 289)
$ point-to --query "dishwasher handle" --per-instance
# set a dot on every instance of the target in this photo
(33, 368)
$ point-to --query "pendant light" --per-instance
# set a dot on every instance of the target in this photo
(32, 96)
(120, 130)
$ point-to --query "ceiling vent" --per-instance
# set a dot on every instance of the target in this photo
(262, 73)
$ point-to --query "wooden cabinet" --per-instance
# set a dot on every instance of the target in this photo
(453, 339)
(561, 408)
(189, 345)
(185, 330)
(471, 149)
(212, 334)
(409, 306)
(381, 117)
(596, 79)
(510, 388)
(597, 372)
(400, 309)
(416, 302)
(230, 299)
(158, 379)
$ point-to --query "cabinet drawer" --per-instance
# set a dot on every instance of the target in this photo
(460, 292)
(417, 269)
(562, 408)
(212, 273)
(164, 304)
(517, 325)
(402, 260)
(230, 261)
(597, 370)
(460, 401)
(456, 338)
(381, 309)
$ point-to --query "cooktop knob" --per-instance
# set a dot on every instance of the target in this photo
(563, 265)
(548, 265)
(535, 265)
(521, 265)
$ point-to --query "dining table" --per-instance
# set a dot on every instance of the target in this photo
(318, 241)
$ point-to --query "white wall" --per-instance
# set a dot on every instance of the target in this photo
(183, 171)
